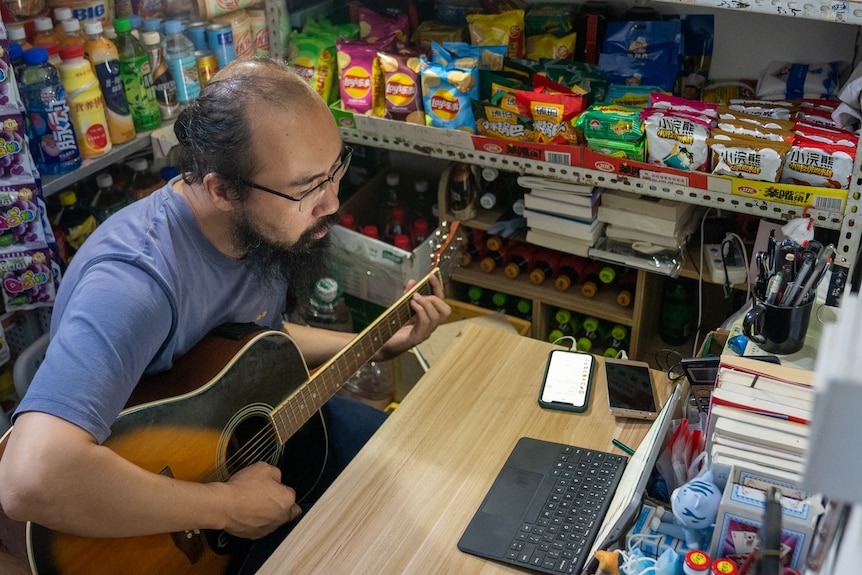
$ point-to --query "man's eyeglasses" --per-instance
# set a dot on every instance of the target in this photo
(309, 198)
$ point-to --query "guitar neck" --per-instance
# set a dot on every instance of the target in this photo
(294, 411)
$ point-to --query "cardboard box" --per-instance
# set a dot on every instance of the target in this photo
(740, 516)
(373, 270)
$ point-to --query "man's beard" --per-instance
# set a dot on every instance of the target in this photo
(278, 266)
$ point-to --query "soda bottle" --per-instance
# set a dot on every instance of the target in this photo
(524, 308)
(545, 266)
(108, 199)
(85, 102)
(103, 57)
(520, 260)
(626, 288)
(592, 281)
(422, 205)
(592, 334)
(52, 136)
(591, 23)
(496, 258)
(143, 181)
(326, 307)
(419, 231)
(616, 341)
(16, 59)
(476, 296)
(348, 221)
(163, 80)
(179, 53)
(462, 192)
(137, 78)
(500, 302)
(571, 272)
(45, 32)
(493, 189)
(72, 34)
(61, 14)
(402, 241)
(396, 224)
(392, 198)
(75, 222)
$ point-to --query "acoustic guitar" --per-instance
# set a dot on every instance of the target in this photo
(241, 395)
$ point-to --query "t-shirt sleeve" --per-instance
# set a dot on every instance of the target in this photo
(113, 325)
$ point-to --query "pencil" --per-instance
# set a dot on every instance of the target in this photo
(623, 446)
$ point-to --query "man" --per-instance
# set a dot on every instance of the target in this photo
(262, 160)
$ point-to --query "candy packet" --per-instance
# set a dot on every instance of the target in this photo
(20, 218)
(28, 281)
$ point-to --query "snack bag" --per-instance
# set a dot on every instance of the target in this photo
(776, 109)
(550, 46)
(814, 163)
(746, 157)
(676, 141)
(373, 27)
(635, 96)
(486, 57)
(446, 95)
(360, 77)
(552, 115)
(618, 149)
(825, 134)
(612, 122)
(28, 282)
(20, 223)
(506, 28)
(16, 163)
(401, 87)
(314, 60)
(496, 122)
(440, 32)
(666, 101)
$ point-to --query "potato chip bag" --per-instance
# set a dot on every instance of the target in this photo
(360, 77)
(747, 157)
(550, 46)
(373, 27)
(401, 86)
(446, 95)
(814, 163)
(314, 60)
(552, 115)
(506, 28)
(440, 32)
(487, 57)
(496, 122)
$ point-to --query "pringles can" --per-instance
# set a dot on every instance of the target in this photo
(207, 65)
(220, 41)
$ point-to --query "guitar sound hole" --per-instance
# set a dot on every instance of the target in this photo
(252, 439)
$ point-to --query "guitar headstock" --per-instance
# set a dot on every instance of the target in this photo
(449, 244)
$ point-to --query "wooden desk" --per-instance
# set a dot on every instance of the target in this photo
(404, 501)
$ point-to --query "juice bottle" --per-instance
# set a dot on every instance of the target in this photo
(45, 32)
(85, 102)
(72, 34)
(52, 136)
(103, 57)
(137, 78)
(18, 35)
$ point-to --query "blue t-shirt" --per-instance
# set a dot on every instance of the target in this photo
(141, 291)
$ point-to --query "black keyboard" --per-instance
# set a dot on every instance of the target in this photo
(556, 537)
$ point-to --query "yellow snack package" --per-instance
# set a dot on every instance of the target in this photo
(546, 46)
(504, 29)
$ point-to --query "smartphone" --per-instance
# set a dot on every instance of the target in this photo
(567, 381)
(631, 389)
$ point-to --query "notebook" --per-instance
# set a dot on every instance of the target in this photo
(538, 513)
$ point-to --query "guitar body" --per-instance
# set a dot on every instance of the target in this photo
(200, 434)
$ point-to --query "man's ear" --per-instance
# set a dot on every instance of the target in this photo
(219, 192)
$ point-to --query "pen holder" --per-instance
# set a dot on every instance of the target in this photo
(775, 329)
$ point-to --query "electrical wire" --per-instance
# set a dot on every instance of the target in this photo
(669, 361)
(700, 286)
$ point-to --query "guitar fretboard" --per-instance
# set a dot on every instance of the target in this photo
(294, 411)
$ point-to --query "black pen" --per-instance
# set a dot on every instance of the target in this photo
(816, 274)
(804, 272)
(770, 251)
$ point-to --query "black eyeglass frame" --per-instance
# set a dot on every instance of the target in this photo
(334, 178)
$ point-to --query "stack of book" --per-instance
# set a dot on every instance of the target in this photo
(633, 218)
(560, 215)
(759, 417)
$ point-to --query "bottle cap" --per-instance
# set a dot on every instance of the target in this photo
(35, 55)
(93, 27)
(562, 316)
(499, 299)
(562, 283)
(326, 290)
(173, 26)
(524, 306)
(122, 25)
(168, 173)
(72, 51)
(347, 221)
(399, 214)
(371, 231)
(392, 179)
(487, 200)
(136, 21)
(697, 561)
(104, 181)
(15, 51)
(474, 293)
(62, 13)
(591, 324)
(619, 332)
(71, 25)
(554, 335)
(16, 33)
(420, 227)
(421, 185)
(490, 174)
(512, 271)
(150, 38)
(52, 48)
(488, 264)
(584, 344)
(152, 25)
(537, 277)
(589, 289)
(402, 241)
(724, 566)
(138, 164)
(494, 243)
(624, 298)
(607, 274)
(68, 198)
(43, 24)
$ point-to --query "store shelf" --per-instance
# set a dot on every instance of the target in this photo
(53, 184)
(840, 11)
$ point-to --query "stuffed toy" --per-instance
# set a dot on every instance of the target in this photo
(695, 507)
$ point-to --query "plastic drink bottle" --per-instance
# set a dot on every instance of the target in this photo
(108, 199)
(105, 61)
(179, 53)
(72, 34)
(326, 307)
(75, 222)
(166, 88)
(52, 136)
(85, 102)
(137, 78)
(144, 182)
(45, 32)
(17, 35)
(53, 49)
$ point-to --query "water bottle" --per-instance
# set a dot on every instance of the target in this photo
(52, 136)
(179, 52)
(371, 384)
(326, 307)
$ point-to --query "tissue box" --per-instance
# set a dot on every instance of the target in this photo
(737, 526)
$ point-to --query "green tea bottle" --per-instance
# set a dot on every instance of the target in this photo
(137, 77)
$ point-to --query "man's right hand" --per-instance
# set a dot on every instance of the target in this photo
(258, 502)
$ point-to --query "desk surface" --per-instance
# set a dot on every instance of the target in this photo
(404, 501)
